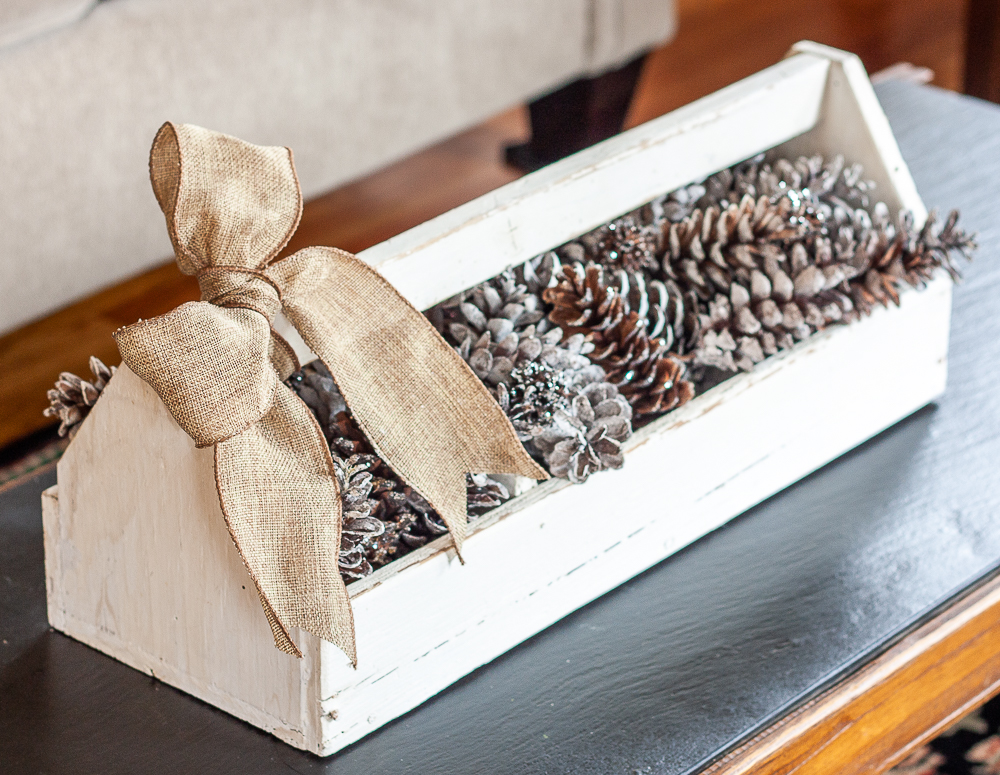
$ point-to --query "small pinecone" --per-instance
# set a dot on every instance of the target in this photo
(625, 243)
(484, 493)
(888, 257)
(712, 248)
(587, 436)
(640, 366)
(500, 326)
(537, 391)
(359, 528)
(72, 397)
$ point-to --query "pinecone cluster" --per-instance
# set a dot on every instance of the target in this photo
(72, 397)
(383, 517)
(703, 282)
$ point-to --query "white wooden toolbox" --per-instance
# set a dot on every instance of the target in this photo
(139, 563)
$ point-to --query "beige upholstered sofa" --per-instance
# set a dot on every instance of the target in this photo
(350, 85)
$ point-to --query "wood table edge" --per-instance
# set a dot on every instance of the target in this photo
(869, 720)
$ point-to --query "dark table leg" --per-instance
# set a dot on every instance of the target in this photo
(576, 116)
(982, 50)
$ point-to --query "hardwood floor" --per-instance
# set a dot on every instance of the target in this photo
(718, 42)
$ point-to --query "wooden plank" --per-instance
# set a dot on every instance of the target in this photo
(772, 436)
(870, 721)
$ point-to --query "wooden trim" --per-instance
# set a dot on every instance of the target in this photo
(982, 50)
(871, 720)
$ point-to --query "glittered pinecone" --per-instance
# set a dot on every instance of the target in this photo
(640, 366)
(72, 397)
(712, 248)
(587, 436)
(889, 257)
(625, 243)
(536, 392)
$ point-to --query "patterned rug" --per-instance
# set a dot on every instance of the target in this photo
(970, 747)
(21, 460)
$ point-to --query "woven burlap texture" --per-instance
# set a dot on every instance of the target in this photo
(230, 208)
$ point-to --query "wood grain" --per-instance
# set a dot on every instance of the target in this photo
(408, 192)
(868, 722)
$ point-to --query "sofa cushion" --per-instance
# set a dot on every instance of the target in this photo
(21, 20)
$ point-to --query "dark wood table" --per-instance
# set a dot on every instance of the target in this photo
(859, 601)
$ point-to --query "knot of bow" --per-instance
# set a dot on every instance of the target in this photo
(218, 366)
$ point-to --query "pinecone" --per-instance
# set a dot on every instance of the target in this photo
(742, 329)
(625, 243)
(825, 184)
(315, 386)
(484, 493)
(72, 398)
(500, 325)
(587, 436)
(537, 391)
(640, 366)
(888, 257)
(370, 491)
(712, 248)
(359, 528)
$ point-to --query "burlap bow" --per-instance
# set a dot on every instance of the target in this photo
(230, 208)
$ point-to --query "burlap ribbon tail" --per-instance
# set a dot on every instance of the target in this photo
(230, 208)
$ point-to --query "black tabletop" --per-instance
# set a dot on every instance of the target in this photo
(669, 670)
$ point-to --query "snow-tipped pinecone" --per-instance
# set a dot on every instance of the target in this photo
(384, 519)
(72, 398)
(587, 436)
(500, 325)
(888, 257)
(484, 493)
(641, 367)
(712, 248)
(359, 527)
(625, 243)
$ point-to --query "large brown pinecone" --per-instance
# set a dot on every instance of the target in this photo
(743, 327)
(640, 366)
(587, 436)
(712, 247)
(72, 398)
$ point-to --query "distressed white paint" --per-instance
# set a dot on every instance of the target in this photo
(139, 563)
